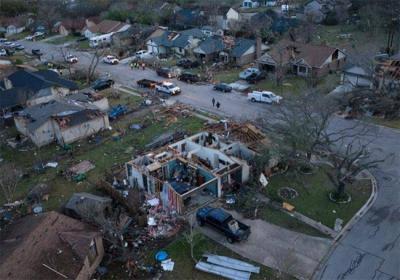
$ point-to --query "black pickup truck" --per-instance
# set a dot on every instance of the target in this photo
(145, 83)
(223, 222)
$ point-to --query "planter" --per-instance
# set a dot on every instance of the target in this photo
(287, 193)
(344, 200)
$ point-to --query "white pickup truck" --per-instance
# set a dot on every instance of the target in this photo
(264, 96)
(168, 88)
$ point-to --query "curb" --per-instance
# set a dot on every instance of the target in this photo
(360, 213)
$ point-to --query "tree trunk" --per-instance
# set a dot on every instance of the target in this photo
(340, 189)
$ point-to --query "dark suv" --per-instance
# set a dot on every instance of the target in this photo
(187, 63)
(102, 84)
(255, 77)
(165, 72)
(189, 77)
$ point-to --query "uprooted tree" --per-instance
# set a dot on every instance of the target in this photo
(94, 62)
(10, 175)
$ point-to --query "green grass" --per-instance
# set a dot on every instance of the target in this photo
(179, 252)
(105, 155)
(62, 40)
(388, 123)
(290, 86)
(228, 76)
(116, 97)
(313, 198)
(276, 217)
(19, 36)
(83, 45)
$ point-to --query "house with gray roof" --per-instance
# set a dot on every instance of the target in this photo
(245, 51)
(80, 203)
(61, 121)
(172, 42)
(209, 49)
(34, 88)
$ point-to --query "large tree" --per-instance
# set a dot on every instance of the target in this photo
(10, 175)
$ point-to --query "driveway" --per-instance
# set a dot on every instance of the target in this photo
(276, 247)
(371, 249)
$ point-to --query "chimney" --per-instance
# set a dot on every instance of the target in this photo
(258, 47)
(7, 83)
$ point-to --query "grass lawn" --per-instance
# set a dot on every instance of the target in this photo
(83, 45)
(228, 76)
(313, 198)
(19, 36)
(276, 217)
(62, 40)
(290, 86)
(381, 121)
(104, 155)
(179, 252)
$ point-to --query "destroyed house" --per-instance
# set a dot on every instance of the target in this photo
(192, 172)
(49, 246)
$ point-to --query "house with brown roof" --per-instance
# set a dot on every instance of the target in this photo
(104, 27)
(49, 246)
(73, 26)
(303, 59)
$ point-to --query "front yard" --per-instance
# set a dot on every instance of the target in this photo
(313, 190)
(179, 252)
(61, 40)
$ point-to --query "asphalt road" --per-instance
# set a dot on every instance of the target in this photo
(371, 249)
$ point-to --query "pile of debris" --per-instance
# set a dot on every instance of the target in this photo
(227, 267)
(160, 222)
(246, 133)
(172, 113)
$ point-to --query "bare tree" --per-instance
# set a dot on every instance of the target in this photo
(9, 178)
(190, 238)
(347, 163)
(94, 62)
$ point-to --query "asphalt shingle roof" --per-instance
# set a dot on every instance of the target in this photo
(36, 81)
(212, 45)
(14, 97)
(241, 46)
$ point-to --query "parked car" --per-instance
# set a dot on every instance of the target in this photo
(165, 72)
(19, 47)
(246, 73)
(223, 222)
(110, 59)
(143, 54)
(255, 77)
(102, 84)
(264, 96)
(71, 59)
(9, 44)
(3, 52)
(146, 83)
(168, 88)
(223, 87)
(36, 52)
(3, 40)
(187, 63)
(36, 35)
(189, 77)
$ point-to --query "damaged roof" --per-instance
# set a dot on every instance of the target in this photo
(14, 97)
(241, 46)
(41, 113)
(49, 238)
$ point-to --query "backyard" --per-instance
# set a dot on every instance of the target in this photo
(313, 190)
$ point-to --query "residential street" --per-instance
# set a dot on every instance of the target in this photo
(370, 250)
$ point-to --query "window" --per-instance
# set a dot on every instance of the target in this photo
(302, 69)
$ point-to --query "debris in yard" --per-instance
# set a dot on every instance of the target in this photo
(136, 126)
(168, 265)
(37, 193)
(243, 132)
(223, 271)
(338, 224)
(165, 138)
(232, 263)
(153, 202)
(52, 164)
(37, 209)
(17, 142)
(81, 168)
(239, 86)
(287, 206)
(161, 256)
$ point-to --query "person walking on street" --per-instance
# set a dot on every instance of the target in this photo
(218, 105)
(143, 66)
(213, 101)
